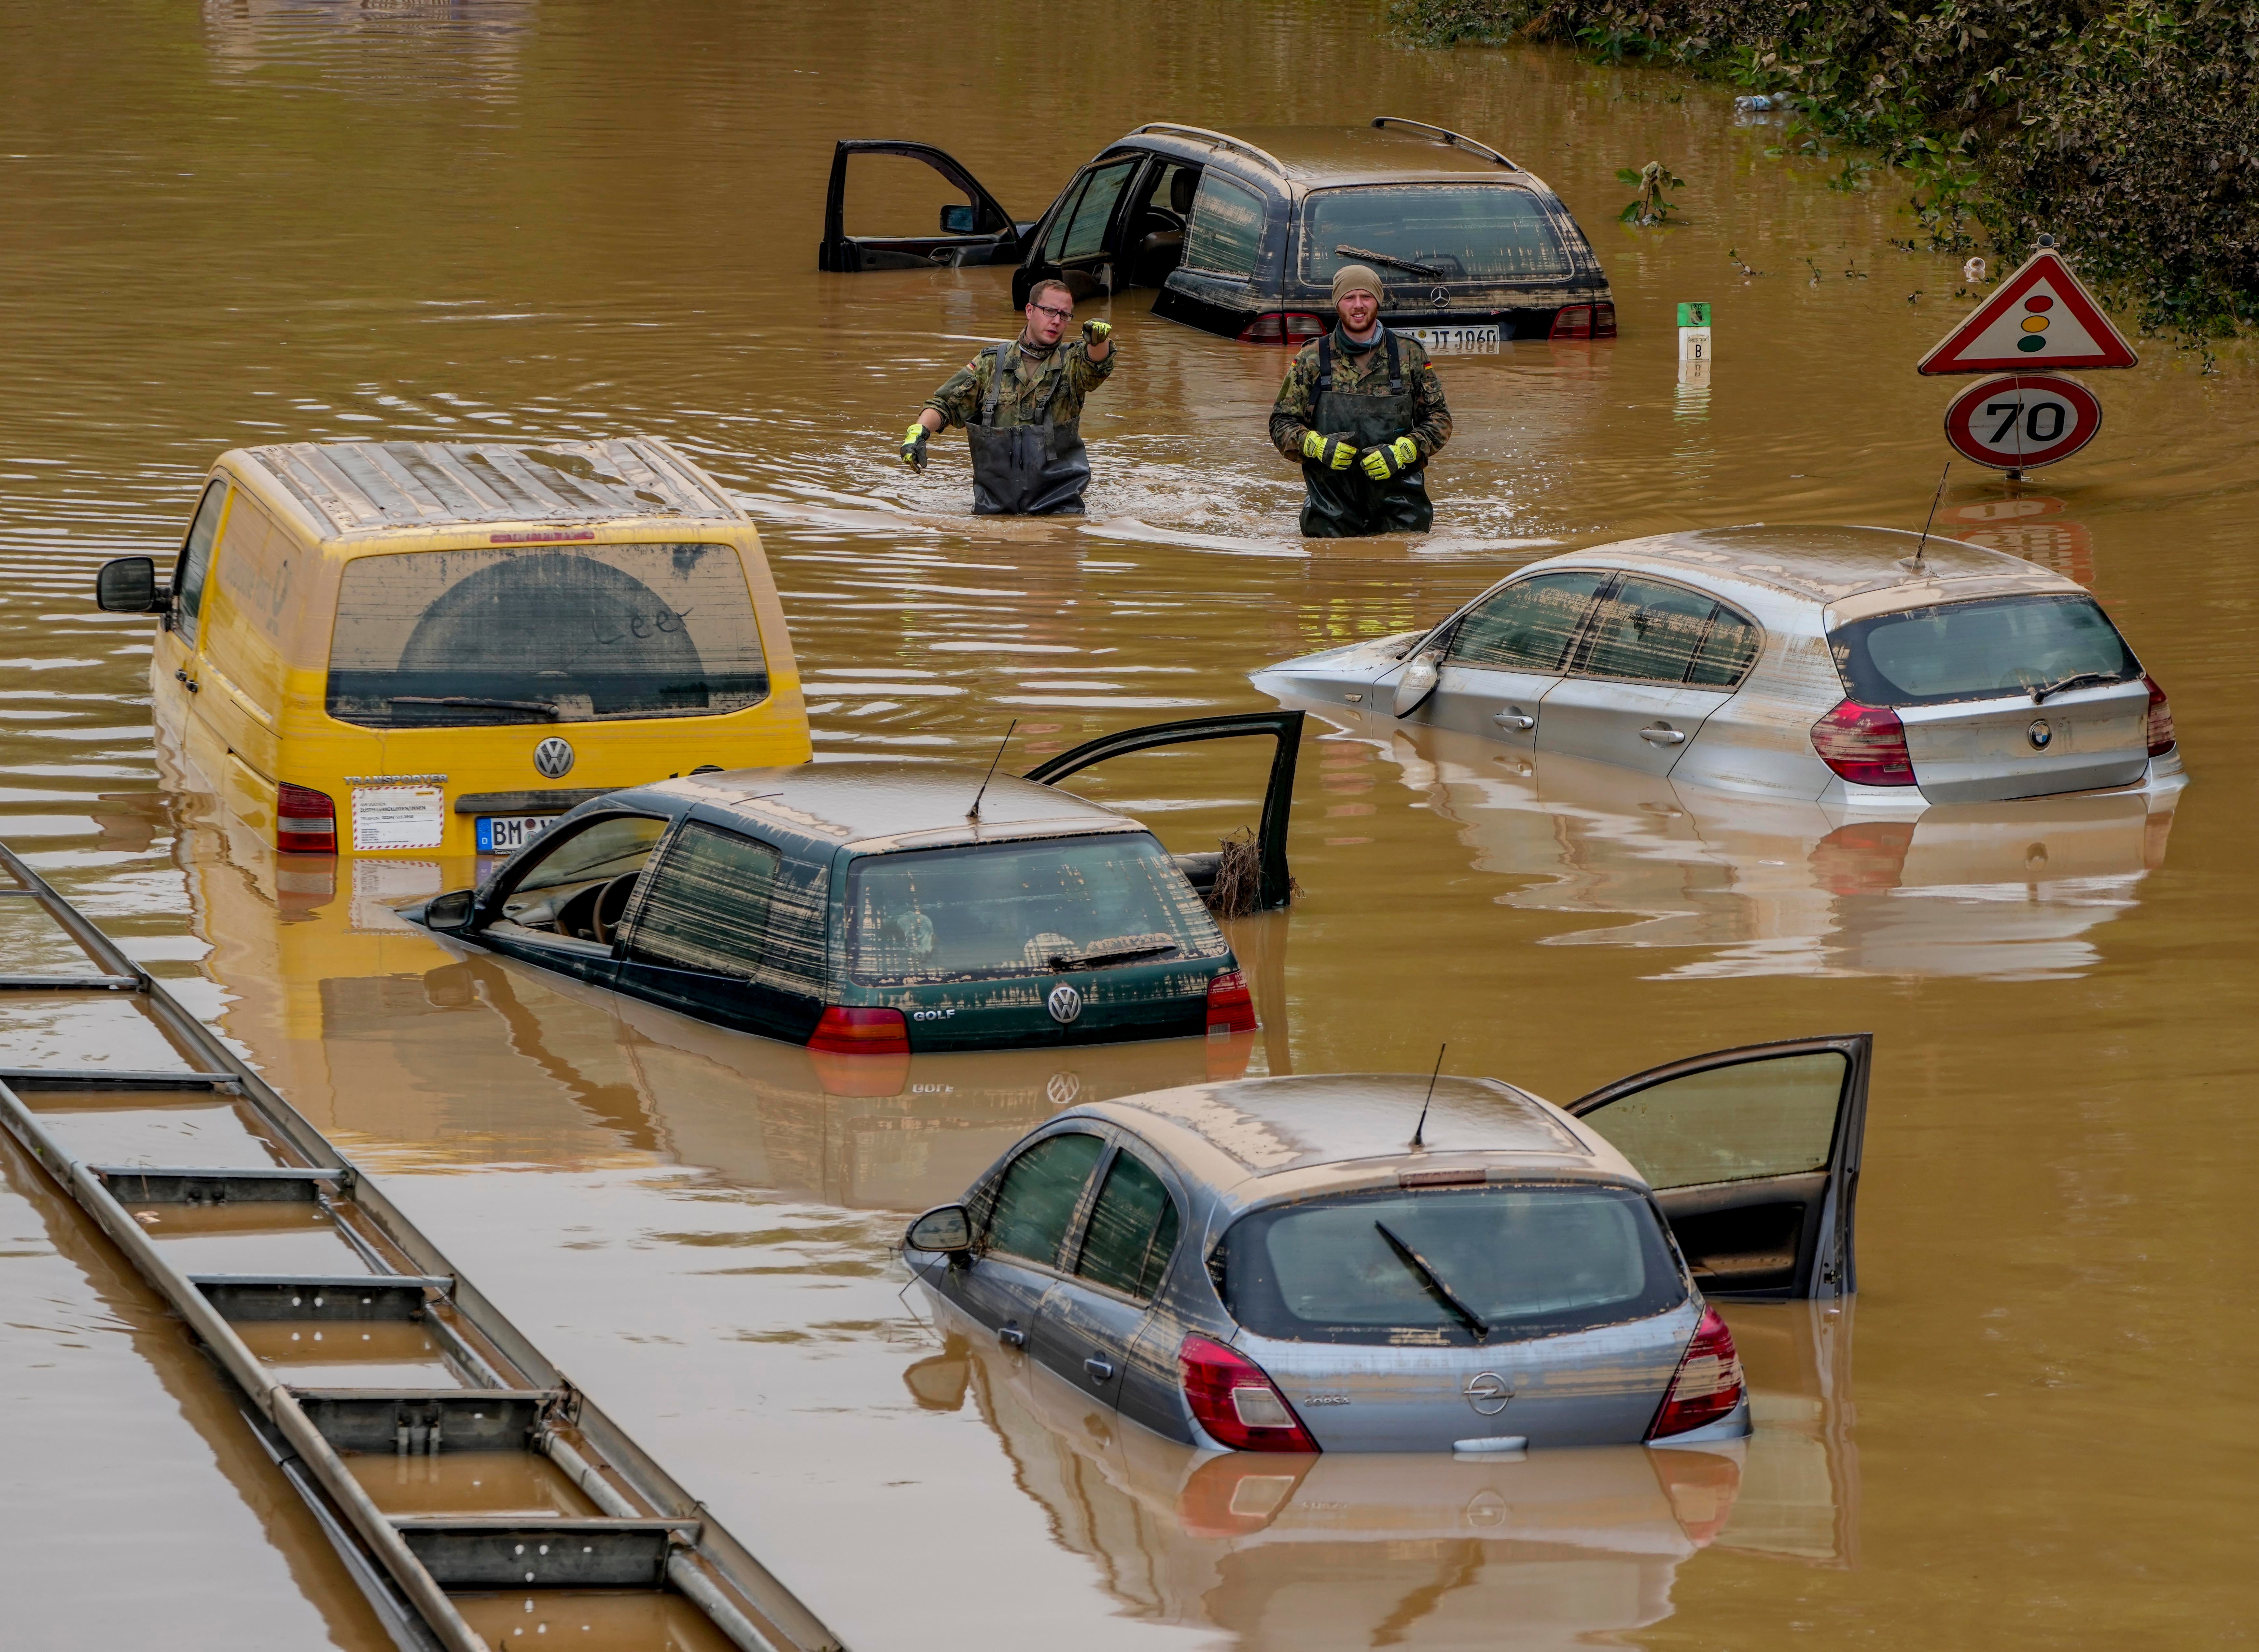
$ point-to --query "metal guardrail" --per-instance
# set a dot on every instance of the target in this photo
(642, 1530)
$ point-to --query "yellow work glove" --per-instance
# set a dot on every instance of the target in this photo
(913, 446)
(1097, 331)
(1330, 450)
(1387, 464)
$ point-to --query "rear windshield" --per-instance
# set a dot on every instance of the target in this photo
(1453, 232)
(1526, 1259)
(1026, 908)
(457, 638)
(1980, 650)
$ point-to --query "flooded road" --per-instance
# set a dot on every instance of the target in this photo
(296, 219)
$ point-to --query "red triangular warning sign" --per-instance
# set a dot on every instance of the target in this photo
(2040, 318)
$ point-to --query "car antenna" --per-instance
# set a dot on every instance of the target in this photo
(973, 814)
(1916, 566)
(1425, 1099)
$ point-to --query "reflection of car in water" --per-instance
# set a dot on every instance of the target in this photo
(1242, 233)
(407, 648)
(1377, 1263)
(1554, 1549)
(1849, 666)
(1723, 883)
(880, 907)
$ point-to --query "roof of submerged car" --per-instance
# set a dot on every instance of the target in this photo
(1311, 156)
(1829, 565)
(876, 804)
(1255, 1139)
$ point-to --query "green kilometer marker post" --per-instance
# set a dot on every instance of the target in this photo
(1694, 345)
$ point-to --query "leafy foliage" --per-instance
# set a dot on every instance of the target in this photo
(2129, 128)
(1650, 180)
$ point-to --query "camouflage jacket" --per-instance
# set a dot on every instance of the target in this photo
(1068, 366)
(1365, 375)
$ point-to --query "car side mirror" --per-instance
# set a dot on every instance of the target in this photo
(947, 1228)
(1418, 681)
(958, 220)
(448, 912)
(128, 585)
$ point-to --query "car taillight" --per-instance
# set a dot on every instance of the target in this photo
(1283, 326)
(1573, 321)
(1708, 1383)
(305, 821)
(1865, 744)
(872, 1032)
(2161, 737)
(1237, 1404)
(1230, 1008)
(1604, 321)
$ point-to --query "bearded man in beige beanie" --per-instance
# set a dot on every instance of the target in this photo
(1363, 410)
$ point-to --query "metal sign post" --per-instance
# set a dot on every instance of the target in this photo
(1694, 343)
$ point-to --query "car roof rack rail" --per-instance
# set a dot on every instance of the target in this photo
(1445, 135)
(1223, 140)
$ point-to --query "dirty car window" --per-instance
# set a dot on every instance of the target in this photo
(1975, 651)
(1226, 232)
(708, 906)
(1133, 1228)
(1527, 626)
(1530, 1260)
(1038, 1196)
(1026, 908)
(1646, 628)
(1773, 1117)
(1464, 232)
(459, 638)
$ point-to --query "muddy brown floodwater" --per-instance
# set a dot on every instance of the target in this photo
(283, 220)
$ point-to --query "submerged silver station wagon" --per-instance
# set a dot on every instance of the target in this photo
(1388, 1262)
(1825, 664)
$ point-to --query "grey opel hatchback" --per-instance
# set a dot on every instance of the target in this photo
(1387, 1262)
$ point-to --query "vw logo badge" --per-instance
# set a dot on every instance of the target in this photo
(1488, 1392)
(2039, 734)
(553, 757)
(1064, 1003)
(1064, 1086)
(1439, 295)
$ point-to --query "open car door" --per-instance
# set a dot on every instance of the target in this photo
(1754, 1156)
(1274, 883)
(975, 230)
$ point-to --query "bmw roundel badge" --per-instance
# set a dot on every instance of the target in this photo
(2040, 734)
(1064, 1003)
(553, 757)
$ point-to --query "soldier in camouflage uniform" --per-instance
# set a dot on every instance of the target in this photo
(1364, 411)
(1020, 405)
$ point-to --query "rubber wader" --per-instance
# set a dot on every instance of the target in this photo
(1347, 504)
(1034, 469)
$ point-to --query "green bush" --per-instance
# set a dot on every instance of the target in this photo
(2129, 128)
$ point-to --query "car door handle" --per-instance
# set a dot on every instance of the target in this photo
(1514, 720)
(1663, 736)
(1012, 1336)
(1102, 1371)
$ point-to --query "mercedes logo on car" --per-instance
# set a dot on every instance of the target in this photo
(553, 757)
(1439, 295)
(2040, 734)
(1064, 1003)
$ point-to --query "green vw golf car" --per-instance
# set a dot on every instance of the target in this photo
(887, 906)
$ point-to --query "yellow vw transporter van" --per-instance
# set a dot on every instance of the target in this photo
(405, 648)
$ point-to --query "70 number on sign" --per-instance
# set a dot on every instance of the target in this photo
(2022, 420)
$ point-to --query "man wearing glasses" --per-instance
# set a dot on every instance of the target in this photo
(1021, 404)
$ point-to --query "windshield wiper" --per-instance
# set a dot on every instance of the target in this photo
(1443, 1293)
(2085, 679)
(546, 708)
(1110, 955)
(1429, 270)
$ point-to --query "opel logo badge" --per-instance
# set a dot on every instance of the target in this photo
(2039, 734)
(1064, 1003)
(553, 757)
(1488, 1392)
(1439, 295)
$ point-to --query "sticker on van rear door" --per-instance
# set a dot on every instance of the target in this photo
(398, 816)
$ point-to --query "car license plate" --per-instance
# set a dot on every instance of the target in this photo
(1458, 341)
(505, 834)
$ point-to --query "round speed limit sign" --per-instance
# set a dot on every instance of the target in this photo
(2022, 420)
